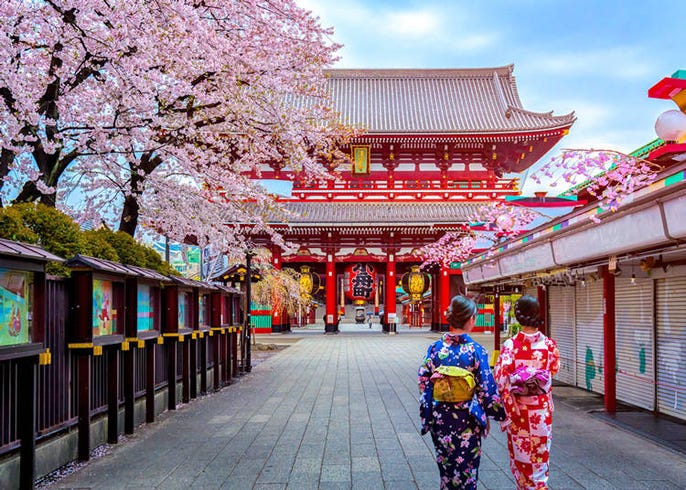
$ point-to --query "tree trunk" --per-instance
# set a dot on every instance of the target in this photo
(129, 214)
(30, 193)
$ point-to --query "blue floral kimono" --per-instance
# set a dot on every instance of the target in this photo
(456, 428)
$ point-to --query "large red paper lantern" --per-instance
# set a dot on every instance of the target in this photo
(360, 283)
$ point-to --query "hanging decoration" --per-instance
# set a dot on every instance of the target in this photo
(415, 283)
(360, 283)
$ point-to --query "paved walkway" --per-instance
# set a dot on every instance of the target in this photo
(339, 412)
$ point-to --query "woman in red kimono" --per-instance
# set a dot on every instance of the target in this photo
(524, 371)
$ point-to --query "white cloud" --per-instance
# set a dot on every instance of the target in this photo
(621, 62)
(410, 23)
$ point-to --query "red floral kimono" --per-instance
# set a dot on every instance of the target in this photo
(524, 374)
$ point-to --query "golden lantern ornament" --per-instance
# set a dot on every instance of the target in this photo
(415, 283)
(309, 281)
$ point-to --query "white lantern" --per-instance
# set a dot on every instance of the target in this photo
(671, 125)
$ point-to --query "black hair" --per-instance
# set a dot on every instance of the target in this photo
(459, 312)
(528, 312)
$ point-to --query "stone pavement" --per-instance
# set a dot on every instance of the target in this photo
(339, 412)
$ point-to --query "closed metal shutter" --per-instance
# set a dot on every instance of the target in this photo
(562, 325)
(671, 346)
(634, 342)
(589, 336)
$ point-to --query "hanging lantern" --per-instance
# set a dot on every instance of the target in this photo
(309, 281)
(360, 283)
(415, 283)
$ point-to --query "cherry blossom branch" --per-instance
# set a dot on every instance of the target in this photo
(608, 175)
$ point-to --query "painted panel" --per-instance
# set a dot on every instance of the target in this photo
(145, 309)
(104, 313)
(15, 307)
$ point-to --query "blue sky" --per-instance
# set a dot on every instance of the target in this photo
(596, 58)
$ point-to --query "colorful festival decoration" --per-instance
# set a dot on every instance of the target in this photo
(415, 283)
(360, 283)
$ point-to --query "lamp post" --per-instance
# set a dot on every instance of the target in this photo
(248, 279)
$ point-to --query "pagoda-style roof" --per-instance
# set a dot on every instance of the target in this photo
(436, 101)
(375, 215)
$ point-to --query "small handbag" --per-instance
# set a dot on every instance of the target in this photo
(527, 381)
(453, 384)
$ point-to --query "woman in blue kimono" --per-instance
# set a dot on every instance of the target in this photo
(456, 427)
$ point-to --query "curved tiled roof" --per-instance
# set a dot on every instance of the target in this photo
(379, 214)
(477, 100)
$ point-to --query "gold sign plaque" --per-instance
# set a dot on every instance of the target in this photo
(360, 156)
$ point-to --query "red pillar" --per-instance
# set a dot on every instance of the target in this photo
(609, 340)
(444, 296)
(278, 321)
(331, 314)
(389, 310)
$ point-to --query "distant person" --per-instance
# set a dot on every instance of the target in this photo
(457, 395)
(524, 372)
(369, 318)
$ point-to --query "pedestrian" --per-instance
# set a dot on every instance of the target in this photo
(524, 371)
(457, 395)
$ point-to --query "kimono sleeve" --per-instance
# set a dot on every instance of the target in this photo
(504, 367)
(487, 391)
(426, 390)
(553, 357)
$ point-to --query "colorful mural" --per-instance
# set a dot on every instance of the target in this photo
(145, 310)
(15, 307)
(103, 310)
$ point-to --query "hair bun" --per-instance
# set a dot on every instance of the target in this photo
(528, 312)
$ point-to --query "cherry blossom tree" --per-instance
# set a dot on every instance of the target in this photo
(165, 106)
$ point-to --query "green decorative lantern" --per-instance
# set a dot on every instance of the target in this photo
(415, 283)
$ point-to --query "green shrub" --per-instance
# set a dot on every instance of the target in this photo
(59, 234)
(97, 244)
(12, 226)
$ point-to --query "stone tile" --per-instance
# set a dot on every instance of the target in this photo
(367, 481)
(366, 464)
(395, 472)
(335, 473)
(362, 450)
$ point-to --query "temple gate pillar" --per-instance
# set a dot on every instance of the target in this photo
(444, 296)
(331, 320)
(390, 319)
(279, 320)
